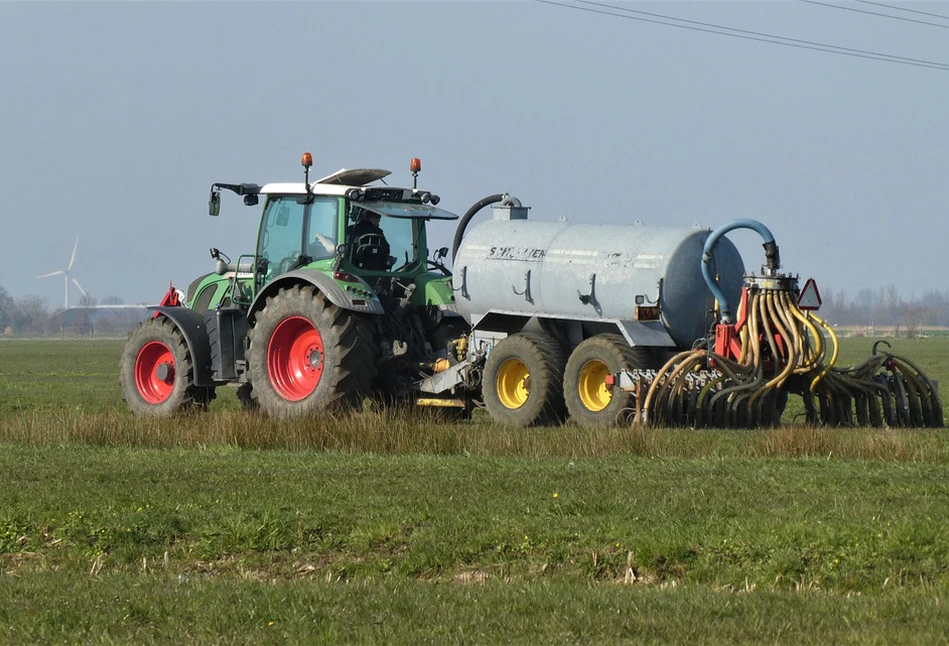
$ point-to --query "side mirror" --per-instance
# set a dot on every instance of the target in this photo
(440, 254)
(214, 202)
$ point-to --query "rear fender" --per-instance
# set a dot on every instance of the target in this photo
(191, 325)
(365, 301)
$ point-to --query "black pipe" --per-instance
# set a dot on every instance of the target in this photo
(466, 218)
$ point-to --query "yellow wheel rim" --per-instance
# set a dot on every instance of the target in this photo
(513, 383)
(592, 386)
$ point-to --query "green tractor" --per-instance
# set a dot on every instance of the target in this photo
(339, 302)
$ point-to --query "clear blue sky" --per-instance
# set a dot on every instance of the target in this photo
(117, 117)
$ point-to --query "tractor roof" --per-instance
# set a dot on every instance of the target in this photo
(335, 184)
(390, 201)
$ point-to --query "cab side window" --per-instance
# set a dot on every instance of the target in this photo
(281, 235)
(322, 222)
(295, 231)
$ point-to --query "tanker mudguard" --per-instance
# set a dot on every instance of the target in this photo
(336, 294)
(192, 327)
(647, 333)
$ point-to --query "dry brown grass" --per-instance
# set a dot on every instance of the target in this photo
(888, 445)
(386, 432)
(400, 432)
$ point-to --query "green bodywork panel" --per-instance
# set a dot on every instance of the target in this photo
(433, 289)
(211, 292)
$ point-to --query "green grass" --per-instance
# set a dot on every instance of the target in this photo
(156, 608)
(254, 534)
(388, 527)
(59, 375)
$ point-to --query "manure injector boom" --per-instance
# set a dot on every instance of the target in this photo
(772, 350)
(538, 322)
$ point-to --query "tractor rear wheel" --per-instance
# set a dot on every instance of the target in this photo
(157, 372)
(590, 401)
(307, 354)
(523, 381)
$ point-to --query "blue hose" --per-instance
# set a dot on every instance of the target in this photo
(771, 255)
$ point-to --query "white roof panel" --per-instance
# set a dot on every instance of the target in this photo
(298, 188)
(354, 176)
(335, 184)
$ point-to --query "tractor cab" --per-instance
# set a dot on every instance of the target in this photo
(342, 225)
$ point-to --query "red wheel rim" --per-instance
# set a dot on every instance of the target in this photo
(295, 358)
(155, 372)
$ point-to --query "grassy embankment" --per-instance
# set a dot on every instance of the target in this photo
(232, 527)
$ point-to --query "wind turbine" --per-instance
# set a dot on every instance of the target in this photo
(67, 276)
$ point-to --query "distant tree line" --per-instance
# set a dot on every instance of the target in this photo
(30, 315)
(885, 307)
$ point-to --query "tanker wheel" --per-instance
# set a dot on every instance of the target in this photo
(307, 354)
(590, 401)
(157, 372)
(523, 381)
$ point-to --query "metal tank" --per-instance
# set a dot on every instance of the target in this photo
(512, 266)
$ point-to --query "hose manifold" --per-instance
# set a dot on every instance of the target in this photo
(773, 284)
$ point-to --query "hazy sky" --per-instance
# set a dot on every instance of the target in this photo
(117, 117)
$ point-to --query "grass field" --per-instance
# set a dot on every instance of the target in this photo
(233, 528)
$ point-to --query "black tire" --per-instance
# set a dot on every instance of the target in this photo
(593, 404)
(288, 373)
(523, 381)
(157, 372)
(245, 396)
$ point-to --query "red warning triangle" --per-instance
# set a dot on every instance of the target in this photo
(810, 297)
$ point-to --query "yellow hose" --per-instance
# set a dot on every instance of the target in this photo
(833, 358)
(799, 334)
(769, 334)
(814, 333)
(785, 334)
(655, 383)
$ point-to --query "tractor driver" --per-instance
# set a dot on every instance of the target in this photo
(370, 249)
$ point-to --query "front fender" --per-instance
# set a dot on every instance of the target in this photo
(192, 327)
(358, 297)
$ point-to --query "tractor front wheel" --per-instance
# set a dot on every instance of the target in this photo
(523, 381)
(307, 354)
(157, 372)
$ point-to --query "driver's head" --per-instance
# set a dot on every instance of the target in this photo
(372, 217)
